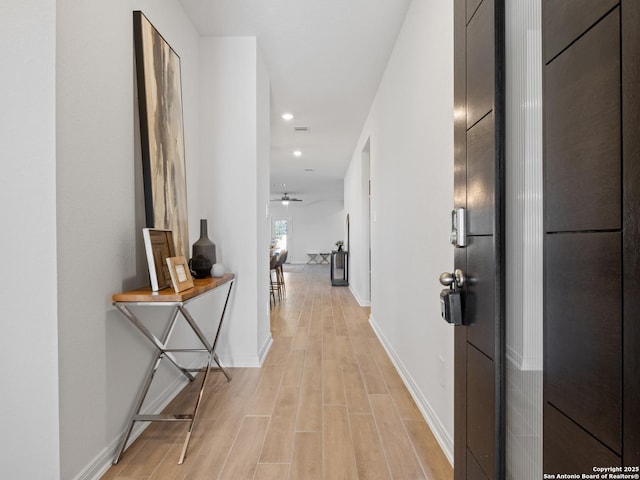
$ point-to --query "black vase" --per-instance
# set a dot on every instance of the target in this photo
(204, 246)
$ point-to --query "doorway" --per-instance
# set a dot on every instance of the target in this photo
(578, 247)
(366, 216)
(282, 233)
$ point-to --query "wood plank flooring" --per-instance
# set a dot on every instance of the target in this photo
(327, 404)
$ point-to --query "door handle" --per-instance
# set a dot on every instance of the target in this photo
(457, 277)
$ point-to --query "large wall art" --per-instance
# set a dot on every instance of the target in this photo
(161, 132)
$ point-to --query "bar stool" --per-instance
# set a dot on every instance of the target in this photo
(273, 287)
(280, 273)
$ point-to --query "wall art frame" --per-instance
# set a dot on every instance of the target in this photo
(180, 274)
(159, 246)
(159, 89)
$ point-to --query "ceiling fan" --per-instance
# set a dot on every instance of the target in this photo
(286, 199)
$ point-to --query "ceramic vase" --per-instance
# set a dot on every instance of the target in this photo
(204, 246)
(200, 266)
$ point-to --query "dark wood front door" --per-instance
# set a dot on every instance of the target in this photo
(479, 187)
(592, 235)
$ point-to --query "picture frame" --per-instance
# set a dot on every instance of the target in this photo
(159, 88)
(180, 274)
(159, 246)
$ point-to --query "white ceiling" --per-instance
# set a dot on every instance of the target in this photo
(325, 60)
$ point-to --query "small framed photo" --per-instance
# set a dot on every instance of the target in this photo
(159, 246)
(180, 275)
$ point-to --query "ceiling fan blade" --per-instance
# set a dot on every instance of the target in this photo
(286, 198)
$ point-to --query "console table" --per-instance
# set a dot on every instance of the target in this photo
(177, 303)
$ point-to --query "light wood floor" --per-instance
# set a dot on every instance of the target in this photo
(327, 404)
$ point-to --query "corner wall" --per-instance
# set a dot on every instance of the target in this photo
(263, 174)
(234, 180)
(29, 366)
(410, 129)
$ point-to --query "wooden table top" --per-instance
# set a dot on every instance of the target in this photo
(200, 286)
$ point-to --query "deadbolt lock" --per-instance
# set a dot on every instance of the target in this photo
(451, 298)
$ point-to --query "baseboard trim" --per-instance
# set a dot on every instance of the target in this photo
(247, 361)
(362, 303)
(523, 363)
(439, 432)
(266, 346)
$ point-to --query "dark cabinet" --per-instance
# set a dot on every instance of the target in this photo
(339, 268)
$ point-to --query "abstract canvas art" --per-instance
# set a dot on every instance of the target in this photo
(161, 132)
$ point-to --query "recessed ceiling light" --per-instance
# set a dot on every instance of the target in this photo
(297, 153)
(287, 116)
(309, 170)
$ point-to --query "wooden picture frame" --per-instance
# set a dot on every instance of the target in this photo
(161, 132)
(180, 274)
(159, 246)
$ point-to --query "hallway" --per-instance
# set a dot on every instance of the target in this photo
(327, 404)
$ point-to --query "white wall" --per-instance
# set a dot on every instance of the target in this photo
(317, 224)
(29, 354)
(234, 184)
(410, 128)
(357, 206)
(102, 359)
(100, 215)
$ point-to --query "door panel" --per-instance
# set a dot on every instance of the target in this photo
(460, 451)
(460, 254)
(472, 6)
(584, 302)
(592, 305)
(474, 468)
(565, 20)
(568, 448)
(478, 187)
(480, 295)
(481, 409)
(582, 178)
(481, 176)
(480, 63)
